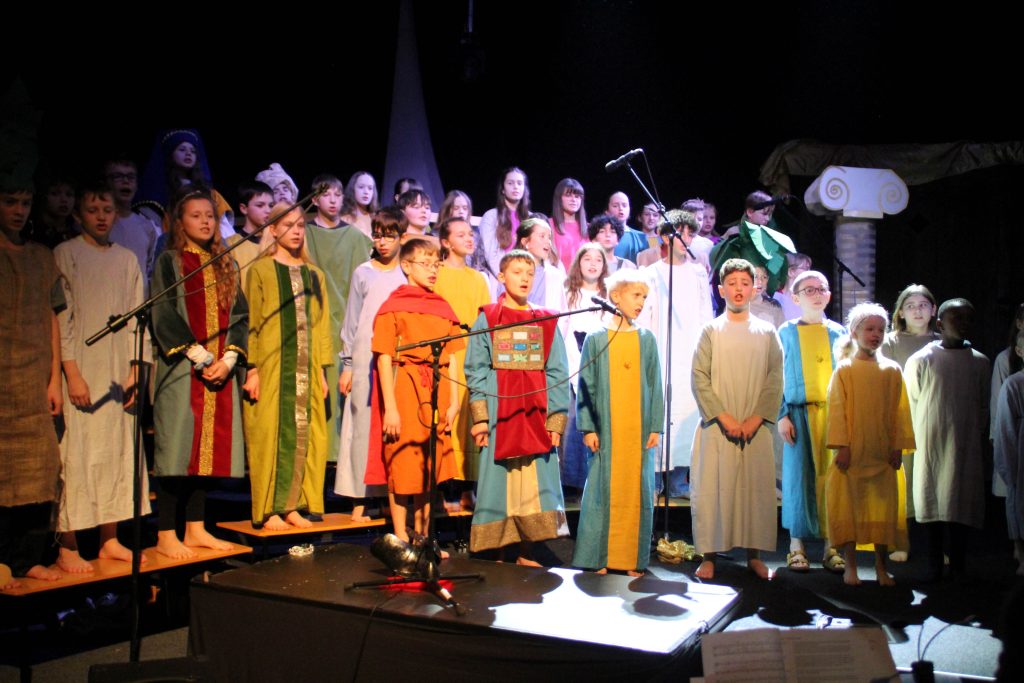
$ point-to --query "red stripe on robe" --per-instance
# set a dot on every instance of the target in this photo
(196, 303)
(376, 472)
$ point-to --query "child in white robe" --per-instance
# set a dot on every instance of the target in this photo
(737, 380)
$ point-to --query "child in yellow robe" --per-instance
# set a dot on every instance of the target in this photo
(869, 426)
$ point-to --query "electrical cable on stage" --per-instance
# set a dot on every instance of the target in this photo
(366, 633)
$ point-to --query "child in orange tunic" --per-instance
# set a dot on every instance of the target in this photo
(399, 448)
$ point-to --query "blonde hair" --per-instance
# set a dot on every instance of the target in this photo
(846, 346)
(268, 243)
(621, 279)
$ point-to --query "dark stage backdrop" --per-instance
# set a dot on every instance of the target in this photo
(559, 88)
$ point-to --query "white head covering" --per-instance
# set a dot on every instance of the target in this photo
(862, 312)
(275, 175)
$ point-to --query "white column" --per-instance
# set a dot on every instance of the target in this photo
(856, 198)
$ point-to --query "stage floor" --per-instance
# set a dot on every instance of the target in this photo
(587, 619)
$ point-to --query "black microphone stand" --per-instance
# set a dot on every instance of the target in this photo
(429, 558)
(115, 323)
(667, 370)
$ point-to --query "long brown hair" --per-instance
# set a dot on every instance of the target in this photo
(224, 269)
(574, 282)
(445, 212)
(567, 186)
(504, 230)
(349, 205)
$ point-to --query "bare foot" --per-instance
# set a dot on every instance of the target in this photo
(706, 570)
(275, 523)
(168, 545)
(196, 536)
(884, 577)
(759, 568)
(113, 550)
(43, 573)
(527, 562)
(297, 520)
(359, 514)
(71, 562)
(850, 577)
(898, 556)
(602, 570)
(635, 573)
(7, 580)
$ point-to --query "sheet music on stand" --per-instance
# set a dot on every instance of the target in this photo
(769, 655)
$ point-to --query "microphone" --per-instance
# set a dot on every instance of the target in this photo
(616, 164)
(777, 199)
(668, 229)
(605, 305)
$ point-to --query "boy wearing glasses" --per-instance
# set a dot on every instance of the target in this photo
(131, 230)
(807, 344)
(401, 417)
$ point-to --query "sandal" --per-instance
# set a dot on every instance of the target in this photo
(834, 562)
(797, 561)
